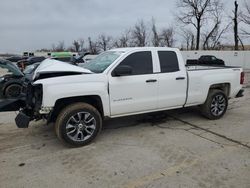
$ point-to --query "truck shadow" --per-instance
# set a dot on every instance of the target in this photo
(40, 135)
(153, 119)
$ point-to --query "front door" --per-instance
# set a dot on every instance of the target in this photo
(136, 92)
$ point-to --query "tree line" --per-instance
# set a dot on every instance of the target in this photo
(200, 24)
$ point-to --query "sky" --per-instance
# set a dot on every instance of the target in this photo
(28, 25)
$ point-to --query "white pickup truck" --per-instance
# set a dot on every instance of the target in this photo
(122, 82)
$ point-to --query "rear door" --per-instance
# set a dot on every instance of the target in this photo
(172, 81)
(137, 92)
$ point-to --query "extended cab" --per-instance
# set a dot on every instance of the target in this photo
(123, 82)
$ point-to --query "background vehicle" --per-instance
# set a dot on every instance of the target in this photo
(80, 59)
(206, 60)
(68, 57)
(62, 56)
(16, 58)
(31, 60)
(10, 79)
(123, 82)
(30, 69)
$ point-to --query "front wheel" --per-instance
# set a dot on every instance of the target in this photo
(216, 105)
(78, 124)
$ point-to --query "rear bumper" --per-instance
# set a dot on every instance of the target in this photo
(240, 93)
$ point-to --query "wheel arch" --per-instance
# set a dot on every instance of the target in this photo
(60, 104)
(225, 87)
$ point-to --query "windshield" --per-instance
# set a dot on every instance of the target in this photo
(102, 61)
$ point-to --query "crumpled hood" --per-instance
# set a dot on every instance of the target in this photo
(55, 66)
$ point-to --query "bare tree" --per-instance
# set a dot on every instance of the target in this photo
(195, 12)
(212, 37)
(81, 41)
(76, 46)
(189, 39)
(245, 18)
(139, 34)
(93, 46)
(59, 47)
(44, 50)
(167, 37)
(155, 39)
(104, 42)
(123, 40)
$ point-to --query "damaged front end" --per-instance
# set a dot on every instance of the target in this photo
(28, 104)
(33, 101)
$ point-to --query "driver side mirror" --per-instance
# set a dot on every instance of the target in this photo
(122, 70)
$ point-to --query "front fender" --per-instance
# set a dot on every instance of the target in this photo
(74, 86)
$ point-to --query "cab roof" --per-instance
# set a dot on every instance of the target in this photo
(130, 49)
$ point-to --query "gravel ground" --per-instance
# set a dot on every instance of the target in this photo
(171, 149)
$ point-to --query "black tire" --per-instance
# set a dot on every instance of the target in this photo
(216, 105)
(13, 91)
(67, 125)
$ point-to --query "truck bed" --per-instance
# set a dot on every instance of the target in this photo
(200, 78)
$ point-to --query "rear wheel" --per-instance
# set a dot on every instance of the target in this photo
(13, 91)
(216, 105)
(78, 124)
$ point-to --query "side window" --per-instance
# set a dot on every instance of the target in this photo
(140, 62)
(168, 61)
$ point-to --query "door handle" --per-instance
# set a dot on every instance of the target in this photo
(180, 78)
(151, 81)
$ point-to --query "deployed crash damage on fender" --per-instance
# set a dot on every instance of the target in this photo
(29, 104)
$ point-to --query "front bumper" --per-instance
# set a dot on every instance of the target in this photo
(22, 120)
(240, 93)
(32, 105)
